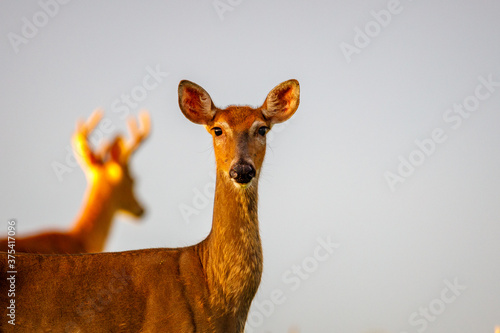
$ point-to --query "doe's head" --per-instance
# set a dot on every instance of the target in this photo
(239, 132)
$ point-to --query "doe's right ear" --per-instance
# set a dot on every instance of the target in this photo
(195, 103)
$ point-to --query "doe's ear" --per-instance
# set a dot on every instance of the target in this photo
(282, 102)
(195, 103)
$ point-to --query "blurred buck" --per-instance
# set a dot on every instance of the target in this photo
(207, 287)
(110, 189)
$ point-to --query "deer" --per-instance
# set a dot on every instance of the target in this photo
(110, 190)
(205, 287)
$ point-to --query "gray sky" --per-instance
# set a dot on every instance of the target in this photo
(378, 199)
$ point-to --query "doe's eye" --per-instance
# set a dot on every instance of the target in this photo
(217, 131)
(263, 130)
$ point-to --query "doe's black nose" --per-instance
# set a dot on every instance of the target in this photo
(242, 173)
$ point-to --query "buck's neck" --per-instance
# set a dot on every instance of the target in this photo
(94, 220)
(233, 250)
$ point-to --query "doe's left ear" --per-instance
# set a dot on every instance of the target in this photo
(282, 102)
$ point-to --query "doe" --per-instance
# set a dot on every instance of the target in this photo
(207, 287)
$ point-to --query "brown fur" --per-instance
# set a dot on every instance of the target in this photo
(207, 287)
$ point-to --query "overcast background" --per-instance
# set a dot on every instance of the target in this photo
(418, 253)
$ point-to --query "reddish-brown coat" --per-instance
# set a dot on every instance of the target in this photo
(207, 287)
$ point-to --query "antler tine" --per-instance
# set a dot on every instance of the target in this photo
(94, 119)
(137, 136)
(145, 120)
(81, 148)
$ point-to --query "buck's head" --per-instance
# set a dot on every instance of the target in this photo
(107, 170)
(239, 132)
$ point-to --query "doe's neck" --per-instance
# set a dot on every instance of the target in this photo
(233, 251)
(235, 206)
